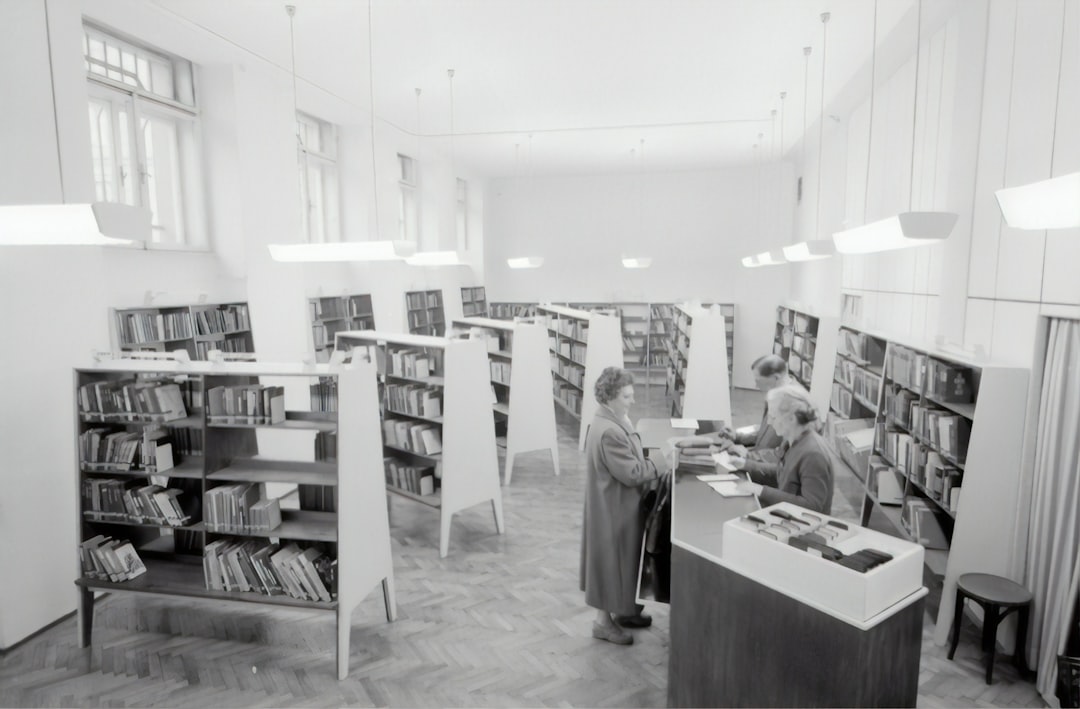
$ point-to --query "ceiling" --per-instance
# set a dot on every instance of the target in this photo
(697, 80)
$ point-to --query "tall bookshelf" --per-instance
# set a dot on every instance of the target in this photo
(728, 311)
(438, 439)
(581, 345)
(204, 458)
(509, 311)
(334, 314)
(661, 329)
(195, 328)
(474, 301)
(948, 437)
(807, 342)
(521, 380)
(698, 375)
(424, 312)
(860, 364)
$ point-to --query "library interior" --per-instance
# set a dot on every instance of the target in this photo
(525, 353)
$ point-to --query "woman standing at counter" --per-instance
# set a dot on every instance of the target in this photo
(805, 475)
(617, 473)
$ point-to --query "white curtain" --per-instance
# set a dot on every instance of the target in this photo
(1053, 568)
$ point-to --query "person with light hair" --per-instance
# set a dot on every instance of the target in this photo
(805, 473)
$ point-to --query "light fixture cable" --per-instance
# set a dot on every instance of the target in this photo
(821, 120)
(371, 102)
(783, 95)
(915, 104)
(870, 120)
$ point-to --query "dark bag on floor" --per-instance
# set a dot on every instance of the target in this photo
(654, 576)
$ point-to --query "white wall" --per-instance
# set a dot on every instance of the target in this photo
(695, 225)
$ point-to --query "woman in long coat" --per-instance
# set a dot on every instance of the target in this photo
(617, 475)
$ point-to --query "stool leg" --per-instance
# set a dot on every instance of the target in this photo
(958, 613)
(990, 626)
(1020, 655)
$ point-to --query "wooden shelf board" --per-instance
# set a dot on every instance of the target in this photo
(120, 419)
(965, 410)
(263, 471)
(431, 381)
(433, 500)
(562, 378)
(566, 407)
(288, 424)
(191, 467)
(501, 408)
(426, 456)
(299, 525)
(173, 578)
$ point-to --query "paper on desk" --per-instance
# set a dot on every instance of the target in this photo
(718, 478)
(723, 460)
(684, 423)
(729, 489)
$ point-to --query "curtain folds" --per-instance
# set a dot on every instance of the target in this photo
(1053, 568)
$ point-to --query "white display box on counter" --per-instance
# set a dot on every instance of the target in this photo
(805, 575)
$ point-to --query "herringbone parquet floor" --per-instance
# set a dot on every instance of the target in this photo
(500, 622)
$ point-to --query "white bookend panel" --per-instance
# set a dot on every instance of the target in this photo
(531, 425)
(708, 393)
(604, 349)
(983, 535)
(824, 364)
(470, 469)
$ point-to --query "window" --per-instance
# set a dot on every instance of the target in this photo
(318, 179)
(462, 215)
(409, 201)
(144, 128)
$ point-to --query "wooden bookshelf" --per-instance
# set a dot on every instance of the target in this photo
(424, 312)
(698, 375)
(347, 522)
(581, 345)
(948, 436)
(509, 311)
(856, 384)
(196, 328)
(521, 380)
(333, 314)
(807, 342)
(474, 301)
(437, 421)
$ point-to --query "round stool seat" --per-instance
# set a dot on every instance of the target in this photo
(994, 589)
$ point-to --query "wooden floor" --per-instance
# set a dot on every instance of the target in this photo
(500, 622)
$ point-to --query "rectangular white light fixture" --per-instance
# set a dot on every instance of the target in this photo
(637, 262)
(750, 262)
(435, 258)
(342, 251)
(811, 250)
(1047, 204)
(904, 230)
(525, 262)
(97, 224)
(771, 258)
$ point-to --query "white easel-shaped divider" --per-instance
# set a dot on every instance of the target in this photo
(531, 425)
(603, 349)
(824, 364)
(470, 469)
(363, 524)
(708, 395)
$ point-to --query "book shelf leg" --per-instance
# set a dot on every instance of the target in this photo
(344, 627)
(867, 509)
(444, 532)
(555, 458)
(389, 598)
(510, 455)
(496, 507)
(86, 616)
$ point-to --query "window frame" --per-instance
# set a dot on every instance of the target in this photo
(408, 198)
(325, 221)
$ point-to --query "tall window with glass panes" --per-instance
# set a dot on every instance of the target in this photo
(144, 128)
(409, 200)
(318, 174)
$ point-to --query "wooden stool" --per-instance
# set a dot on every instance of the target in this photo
(998, 597)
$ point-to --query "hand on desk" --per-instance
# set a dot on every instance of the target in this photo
(747, 486)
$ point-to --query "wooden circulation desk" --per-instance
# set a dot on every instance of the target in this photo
(736, 642)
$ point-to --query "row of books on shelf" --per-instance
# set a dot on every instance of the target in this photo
(570, 327)
(940, 481)
(846, 405)
(140, 327)
(574, 350)
(110, 559)
(148, 449)
(418, 437)
(240, 509)
(568, 395)
(245, 403)
(571, 372)
(423, 300)
(944, 430)
(473, 294)
(349, 307)
(508, 311)
(419, 480)
(500, 372)
(423, 318)
(217, 321)
(866, 385)
(159, 400)
(113, 500)
(229, 344)
(800, 368)
(922, 465)
(414, 400)
(326, 446)
(324, 395)
(923, 523)
(413, 363)
(804, 345)
(473, 309)
(325, 333)
(307, 573)
(861, 347)
(656, 358)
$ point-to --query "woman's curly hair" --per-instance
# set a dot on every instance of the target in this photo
(610, 383)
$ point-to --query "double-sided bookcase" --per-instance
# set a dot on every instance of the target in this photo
(438, 440)
(698, 375)
(424, 312)
(946, 461)
(581, 345)
(334, 314)
(474, 301)
(807, 342)
(860, 363)
(521, 381)
(151, 431)
(196, 328)
(509, 311)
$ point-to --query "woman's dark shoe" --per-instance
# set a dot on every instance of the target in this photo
(613, 634)
(634, 621)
